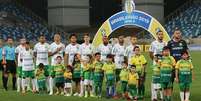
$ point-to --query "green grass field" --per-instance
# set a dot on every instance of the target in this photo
(195, 89)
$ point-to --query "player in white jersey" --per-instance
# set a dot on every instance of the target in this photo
(27, 59)
(156, 50)
(41, 52)
(118, 51)
(86, 48)
(105, 48)
(129, 49)
(56, 49)
(71, 49)
(19, 49)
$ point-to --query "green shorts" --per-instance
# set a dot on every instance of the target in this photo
(132, 90)
(117, 74)
(19, 71)
(124, 86)
(166, 85)
(26, 74)
(41, 84)
(110, 79)
(59, 79)
(184, 86)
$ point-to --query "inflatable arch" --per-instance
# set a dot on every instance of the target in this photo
(123, 18)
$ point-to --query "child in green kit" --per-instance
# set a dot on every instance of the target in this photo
(76, 73)
(41, 79)
(124, 79)
(58, 72)
(184, 75)
(156, 79)
(86, 75)
(109, 70)
(98, 75)
(68, 88)
(133, 80)
(167, 64)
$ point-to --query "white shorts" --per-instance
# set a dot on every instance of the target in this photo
(88, 82)
(68, 85)
(156, 86)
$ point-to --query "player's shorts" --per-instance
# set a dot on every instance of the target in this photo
(26, 74)
(59, 79)
(41, 84)
(166, 85)
(76, 80)
(156, 86)
(184, 86)
(10, 66)
(67, 85)
(132, 90)
(88, 82)
(19, 71)
(48, 70)
(98, 77)
(117, 74)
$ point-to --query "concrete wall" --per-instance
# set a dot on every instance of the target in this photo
(68, 12)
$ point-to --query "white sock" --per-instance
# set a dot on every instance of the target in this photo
(187, 95)
(33, 81)
(51, 83)
(23, 84)
(47, 84)
(28, 83)
(161, 94)
(152, 91)
(154, 94)
(36, 83)
(182, 96)
(82, 87)
(19, 82)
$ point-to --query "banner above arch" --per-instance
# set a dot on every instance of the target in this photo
(123, 18)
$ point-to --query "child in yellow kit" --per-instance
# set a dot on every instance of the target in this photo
(68, 89)
(140, 62)
(133, 79)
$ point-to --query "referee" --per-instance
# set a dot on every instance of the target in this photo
(9, 65)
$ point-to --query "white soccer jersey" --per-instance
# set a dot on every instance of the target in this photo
(19, 49)
(71, 50)
(86, 50)
(118, 51)
(42, 53)
(53, 48)
(27, 60)
(104, 50)
(129, 52)
(157, 47)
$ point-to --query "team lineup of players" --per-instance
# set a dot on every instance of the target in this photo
(88, 68)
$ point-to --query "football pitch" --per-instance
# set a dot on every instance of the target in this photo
(195, 88)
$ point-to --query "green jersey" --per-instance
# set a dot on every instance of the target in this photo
(86, 71)
(166, 67)
(156, 73)
(124, 75)
(185, 71)
(77, 70)
(40, 74)
(59, 70)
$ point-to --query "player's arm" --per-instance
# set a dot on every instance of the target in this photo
(66, 57)
(177, 71)
(4, 57)
(151, 52)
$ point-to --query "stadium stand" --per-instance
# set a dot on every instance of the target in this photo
(189, 21)
(17, 22)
